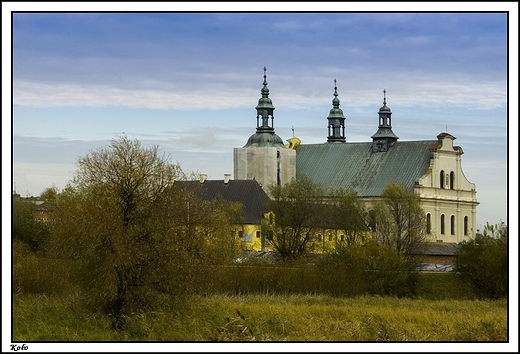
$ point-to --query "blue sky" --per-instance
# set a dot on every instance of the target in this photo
(190, 81)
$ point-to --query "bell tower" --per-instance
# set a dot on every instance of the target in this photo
(264, 157)
(336, 120)
(384, 137)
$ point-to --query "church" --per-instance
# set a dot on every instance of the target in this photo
(432, 169)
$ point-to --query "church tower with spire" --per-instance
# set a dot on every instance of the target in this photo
(264, 157)
(336, 120)
(384, 137)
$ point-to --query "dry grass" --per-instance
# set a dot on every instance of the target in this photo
(271, 318)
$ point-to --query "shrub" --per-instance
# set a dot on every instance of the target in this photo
(483, 263)
(368, 269)
(33, 274)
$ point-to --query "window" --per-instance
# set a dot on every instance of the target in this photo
(442, 179)
(258, 234)
(452, 223)
(342, 237)
(320, 237)
(330, 237)
(466, 225)
(452, 180)
(428, 223)
(241, 234)
(442, 224)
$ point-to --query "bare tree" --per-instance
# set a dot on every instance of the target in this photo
(350, 215)
(296, 209)
(399, 220)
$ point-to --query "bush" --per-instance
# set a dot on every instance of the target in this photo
(483, 263)
(368, 269)
(33, 274)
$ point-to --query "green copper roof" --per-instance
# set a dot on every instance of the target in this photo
(354, 166)
(384, 132)
(265, 139)
(335, 111)
(265, 136)
(384, 108)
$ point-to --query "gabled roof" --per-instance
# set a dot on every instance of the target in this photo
(247, 192)
(438, 249)
(354, 165)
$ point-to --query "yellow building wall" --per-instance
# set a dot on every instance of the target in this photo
(325, 240)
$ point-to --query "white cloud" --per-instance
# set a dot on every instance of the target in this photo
(289, 92)
(32, 178)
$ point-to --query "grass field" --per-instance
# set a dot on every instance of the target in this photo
(428, 318)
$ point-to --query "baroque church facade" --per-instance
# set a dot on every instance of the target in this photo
(432, 169)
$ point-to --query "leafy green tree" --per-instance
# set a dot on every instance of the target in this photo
(399, 220)
(138, 240)
(483, 262)
(50, 193)
(350, 215)
(26, 227)
(296, 209)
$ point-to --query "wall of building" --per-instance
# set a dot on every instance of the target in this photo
(447, 194)
(267, 165)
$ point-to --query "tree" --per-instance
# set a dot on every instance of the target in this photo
(483, 262)
(496, 230)
(134, 235)
(350, 215)
(25, 227)
(49, 193)
(399, 220)
(296, 209)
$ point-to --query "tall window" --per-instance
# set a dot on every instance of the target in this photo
(442, 224)
(428, 223)
(278, 176)
(452, 224)
(442, 178)
(466, 225)
(452, 180)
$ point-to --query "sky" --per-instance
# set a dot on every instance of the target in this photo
(190, 81)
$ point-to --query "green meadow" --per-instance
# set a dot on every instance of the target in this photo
(443, 310)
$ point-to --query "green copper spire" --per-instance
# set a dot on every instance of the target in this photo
(384, 108)
(336, 120)
(265, 135)
(384, 137)
(265, 109)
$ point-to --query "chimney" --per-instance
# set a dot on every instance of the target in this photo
(227, 177)
(203, 177)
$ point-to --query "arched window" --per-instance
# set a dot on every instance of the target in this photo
(452, 180)
(466, 225)
(428, 223)
(442, 178)
(442, 224)
(452, 224)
